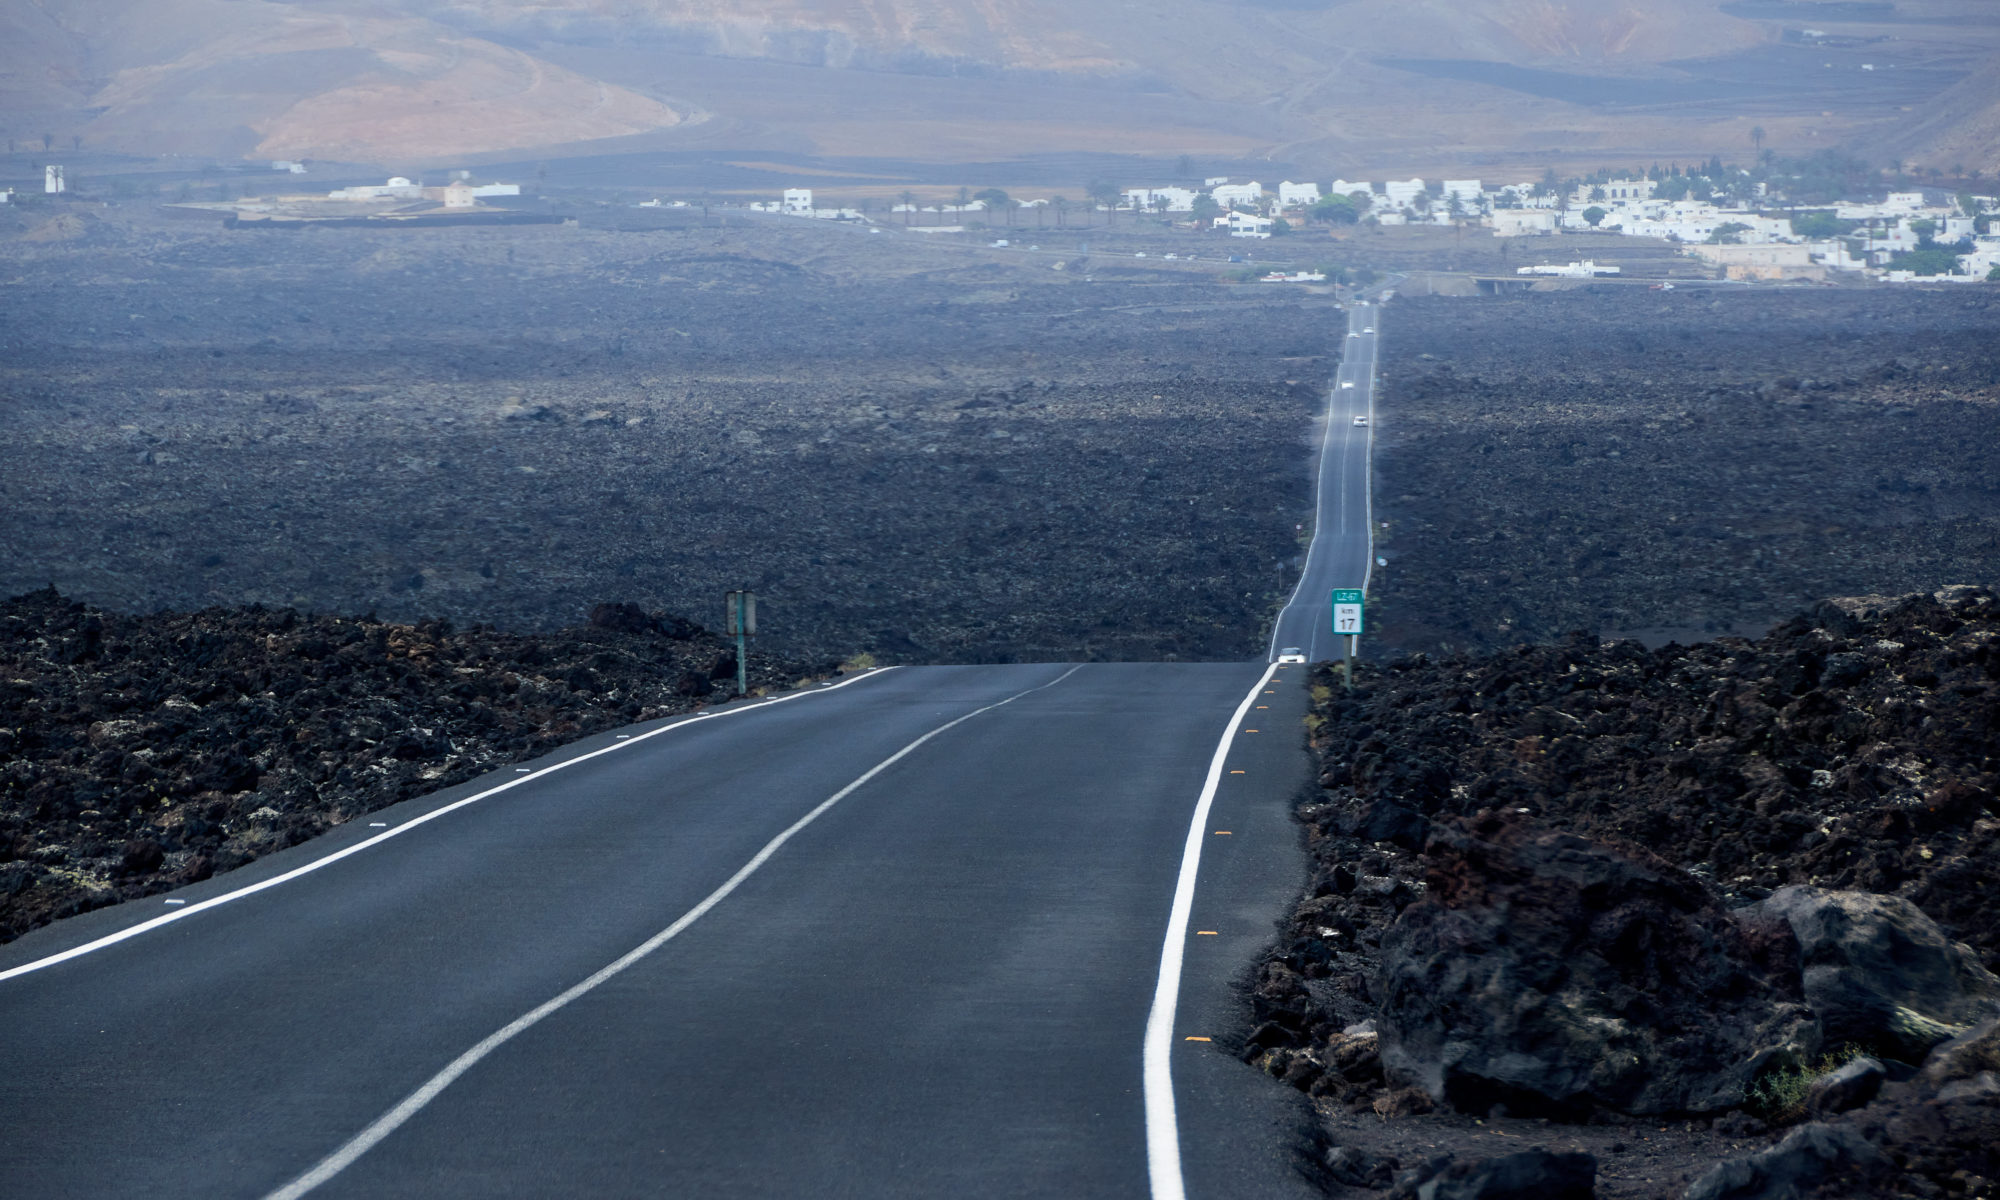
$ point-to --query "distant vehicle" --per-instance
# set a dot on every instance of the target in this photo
(1236, 258)
(1172, 256)
(1291, 654)
(1370, 329)
(1361, 419)
(1380, 561)
(1140, 254)
(1351, 333)
(1346, 384)
(874, 231)
(1000, 245)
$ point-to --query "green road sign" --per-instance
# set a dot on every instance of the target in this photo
(1347, 611)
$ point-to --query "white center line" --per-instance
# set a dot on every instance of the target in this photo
(386, 1124)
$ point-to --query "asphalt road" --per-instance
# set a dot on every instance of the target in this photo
(948, 930)
(1342, 550)
(937, 985)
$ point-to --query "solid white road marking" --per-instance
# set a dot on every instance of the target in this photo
(112, 939)
(1163, 1137)
(176, 902)
(386, 1124)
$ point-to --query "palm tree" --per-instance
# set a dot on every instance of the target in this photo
(1757, 136)
(909, 199)
(1062, 206)
(994, 198)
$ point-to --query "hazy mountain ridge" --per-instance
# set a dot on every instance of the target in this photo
(1365, 84)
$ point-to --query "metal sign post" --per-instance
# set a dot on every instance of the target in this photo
(742, 608)
(1347, 604)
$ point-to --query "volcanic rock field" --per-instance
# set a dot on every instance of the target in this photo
(927, 455)
(1639, 892)
(1677, 464)
(1605, 899)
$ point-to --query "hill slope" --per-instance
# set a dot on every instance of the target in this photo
(1350, 84)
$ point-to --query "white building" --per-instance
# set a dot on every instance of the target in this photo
(398, 188)
(1466, 191)
(1629, 189)
(1576, 270)
(1345, 187)
(52, 180)
(288, 166)
(798, 201)
(1403, 193)
(1229, 194)
(1834, 254)
(1244, 225)
(1297, 195)
(1523, 222)
(1215, 181)
(1984, 257)
(1169, 199)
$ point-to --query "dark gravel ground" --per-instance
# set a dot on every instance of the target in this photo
(1680, 464)
(1854, 747)
(143, 752)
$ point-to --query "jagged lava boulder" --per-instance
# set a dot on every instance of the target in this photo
(1555, 973)
(1879, 973)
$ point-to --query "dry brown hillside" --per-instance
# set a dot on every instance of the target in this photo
(1331, 86)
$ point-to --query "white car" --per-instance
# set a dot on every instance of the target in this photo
(1370, 329)
(1362, 419)
(1346, 384)
(1291, 654)
(1351, 333)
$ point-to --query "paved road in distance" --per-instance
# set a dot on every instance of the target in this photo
(1341, 550)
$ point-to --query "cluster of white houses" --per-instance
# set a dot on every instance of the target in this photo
(1750, 242)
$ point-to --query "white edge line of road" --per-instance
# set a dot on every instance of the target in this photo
(1368, 459)
(1163, 1137)
(180, 914)
(386, 1124)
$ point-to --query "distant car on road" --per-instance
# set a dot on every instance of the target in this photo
(1346, 384)
(1362, 419)
(1370, 329)
(1351, 333)
(1291, 654)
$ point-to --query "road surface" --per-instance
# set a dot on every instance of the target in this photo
(946, 930)
(1342, 549)
(938, 985)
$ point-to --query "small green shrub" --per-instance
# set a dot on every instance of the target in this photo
(1779, 1097)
